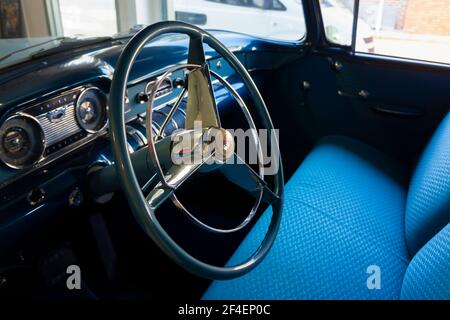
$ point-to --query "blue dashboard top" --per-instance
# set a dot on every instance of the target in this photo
(45, 76)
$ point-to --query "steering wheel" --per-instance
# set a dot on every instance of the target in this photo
(207, 141)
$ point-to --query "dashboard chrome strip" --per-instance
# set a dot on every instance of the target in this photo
(50, 159)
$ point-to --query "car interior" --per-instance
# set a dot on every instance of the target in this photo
(348, 199)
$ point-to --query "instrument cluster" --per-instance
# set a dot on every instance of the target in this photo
(43, 131)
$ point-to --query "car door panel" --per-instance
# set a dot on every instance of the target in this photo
(392, 104)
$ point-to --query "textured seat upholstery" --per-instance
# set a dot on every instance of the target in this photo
(428, 205)
(344, 212)
(428, 274)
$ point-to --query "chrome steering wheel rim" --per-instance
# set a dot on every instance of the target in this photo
(143, 213)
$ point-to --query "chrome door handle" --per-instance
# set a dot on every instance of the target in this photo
(362, 94)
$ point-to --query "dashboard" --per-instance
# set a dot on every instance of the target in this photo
(54, 123)
(43, 132)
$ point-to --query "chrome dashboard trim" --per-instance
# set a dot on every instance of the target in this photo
(136, 135)
(142, 137)
(57, 92)
(69, 124)
(53, 157)
(148, 86)
(57, 115)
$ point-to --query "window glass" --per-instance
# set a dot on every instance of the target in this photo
(275, 19)
(88, 17)
(337, 16)
(414, 29)
(30, 26)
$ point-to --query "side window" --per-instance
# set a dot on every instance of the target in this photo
(337, 17)
(415, 29)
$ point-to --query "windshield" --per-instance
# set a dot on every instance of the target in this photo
(28, 27)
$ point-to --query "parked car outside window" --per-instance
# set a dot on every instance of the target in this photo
(275, 19)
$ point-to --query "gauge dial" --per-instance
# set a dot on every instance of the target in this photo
(21, 141)
(91, 110)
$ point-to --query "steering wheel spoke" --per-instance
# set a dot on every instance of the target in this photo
(158, 196)
(178, 174)
(201, 105)
(201, 102)
(244, 176)
(169, 117)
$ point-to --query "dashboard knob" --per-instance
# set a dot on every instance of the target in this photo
(36, 196)
(179, 83)
(142, 98)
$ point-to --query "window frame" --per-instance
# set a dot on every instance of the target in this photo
(327, 42)
(54, 19)
(351, 49)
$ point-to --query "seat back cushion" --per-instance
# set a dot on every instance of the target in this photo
(428, 202)
(428, 274)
